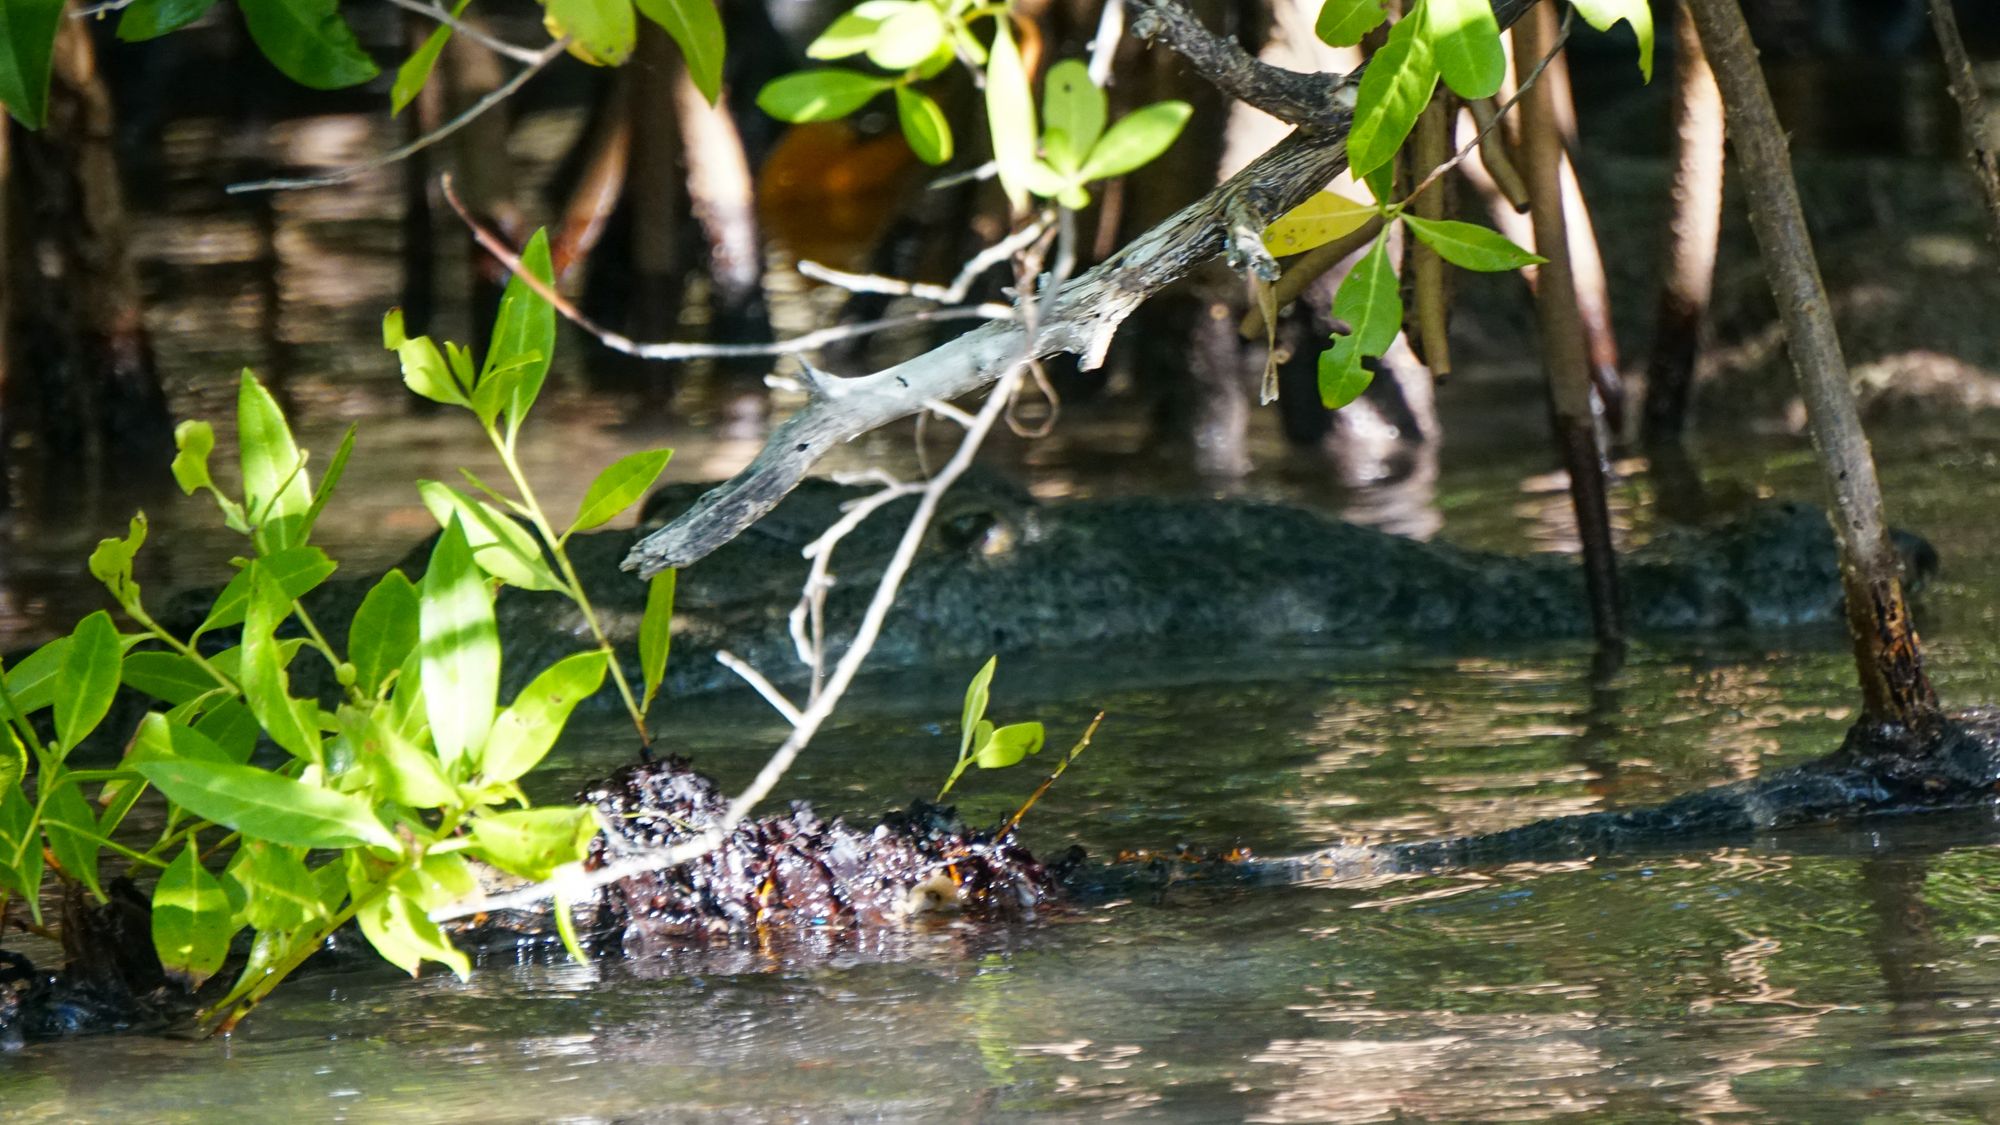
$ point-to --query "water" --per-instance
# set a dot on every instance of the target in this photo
(1841, 974)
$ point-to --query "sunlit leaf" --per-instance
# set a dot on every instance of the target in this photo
(296, 570)
(273, 887)
(276, 493)
(656, 636)
(819, 95)
(160, 739)
(1470, 246)
(335, 469)
(395, 925)
(907, 37)
(460, 648)
(424, 369)
(384, 631)
(619, 486)
(1316, 222)
(1010, 113)
(532, 843)
(1009, 744)
(193, 442)
(500, 545)
(1369, 301)
(292, 723)
(266, 805)
(924, 126)
(1466, 40)
(1342, 23)
(1135, 139)
(1394, 90)
(416, 70)
(977, 694)
(1602, 14)
(524, 337)
(191, 920)
(31, 684)
(20, 852)
(309, 41)
(111, 564)
(848, 35)
(1072, 110)
(601, 32)
(525, 731)
(410, 774)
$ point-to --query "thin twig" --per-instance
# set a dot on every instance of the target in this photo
(1465, 150)
(473, 112)
(1104, 45)
(675, 351)
(764, 687)
(943, 294)
(474, 32)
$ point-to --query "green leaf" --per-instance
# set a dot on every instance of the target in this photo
(696, 27)
(532, 843)
(193, 442)
(1466, 41)
(977, 694)
(908, 37)
(408, 773)
(395, 925)
(17, 829)
(1394, 90)
(13, 759)
(618, 488)
(1371, 304)
(819, 95)
(1009, 744)
(1010, 114)
(335, 469)
(292, 723)
(1342, 378)
(1470, 246)
(72, 831)
(166, 676)
(296, 570)
(191, 920)
(1136, 139)
(416, 70)
(27, 53)
(1602, 14)
(384, 632)
(150, 19)
(500, 545)
(424, 368)
(232, 728)
(1342, 23)
(924, 126)
(524, 335)
(460, 649)
(524, 733)
(440, 880)
(267, 806)
(32, 682)
(274, 889)
(111, 564)
(1072, 115)
(848, 35)
(309, 41)
(276, 494)
(603, 30)
(160, 739)
(88, 680)
(656, 636)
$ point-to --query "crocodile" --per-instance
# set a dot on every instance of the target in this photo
(1002, 572)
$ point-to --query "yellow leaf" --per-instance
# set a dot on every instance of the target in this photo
(1315, 222)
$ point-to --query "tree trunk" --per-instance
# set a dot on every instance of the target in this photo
(1694, 224)
(1564, 346)
(1894, 689)
(84, 396)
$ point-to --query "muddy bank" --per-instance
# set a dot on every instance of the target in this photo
(1004, 573)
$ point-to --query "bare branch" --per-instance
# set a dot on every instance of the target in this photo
(473, 112)
(1289, 96)
(471, 31)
